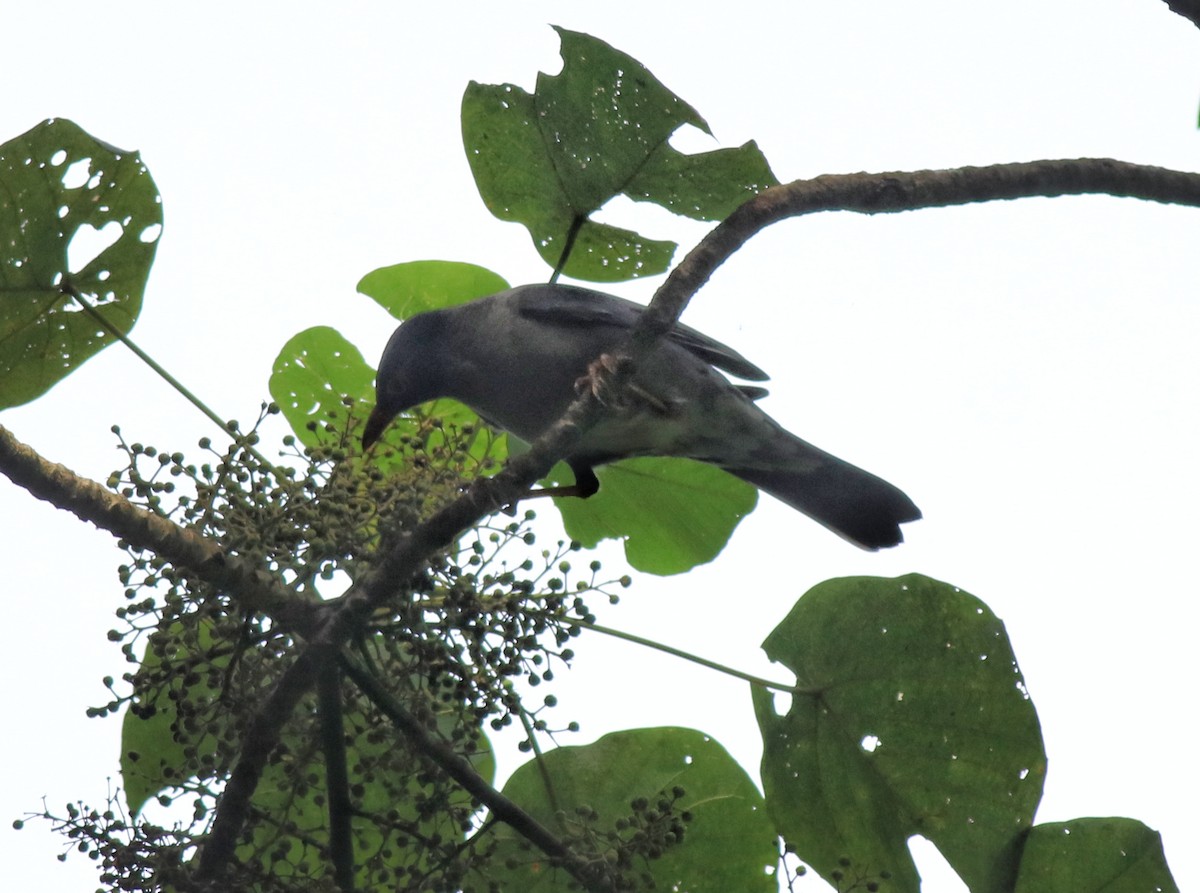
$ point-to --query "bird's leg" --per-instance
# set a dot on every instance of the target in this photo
(598, 381)
(586, 484)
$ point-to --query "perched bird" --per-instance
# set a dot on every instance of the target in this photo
(517, 358)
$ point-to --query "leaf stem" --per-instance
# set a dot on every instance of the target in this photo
(577, 223)
(70, 289)
(677, 652)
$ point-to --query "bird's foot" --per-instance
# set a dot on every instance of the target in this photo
(599, 383)
(598, 380)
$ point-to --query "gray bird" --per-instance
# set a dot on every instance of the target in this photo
(518, 357)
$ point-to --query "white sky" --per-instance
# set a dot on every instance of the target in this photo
(1025, 371)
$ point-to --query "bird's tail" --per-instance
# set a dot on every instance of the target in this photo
(854, 504)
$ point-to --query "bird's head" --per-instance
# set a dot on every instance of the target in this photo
(410, 372)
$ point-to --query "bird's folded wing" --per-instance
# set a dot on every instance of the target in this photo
(569, 306)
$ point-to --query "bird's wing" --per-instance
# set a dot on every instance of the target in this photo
(566, 305)
(752, 392)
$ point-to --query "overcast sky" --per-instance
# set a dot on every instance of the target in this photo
(1026, 371)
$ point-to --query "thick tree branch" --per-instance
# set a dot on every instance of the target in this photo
(888, 193)
(90, 501)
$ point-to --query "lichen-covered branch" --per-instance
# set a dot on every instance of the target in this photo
(90, 501)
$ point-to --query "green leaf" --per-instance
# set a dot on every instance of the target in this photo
(517, 182)
(708, 186)
(728, 845)
(910, 716)
(598, 129)
(57, 182)
(1114, 855)
(602, 116)
(673, 514)
(313, 376)
(404, 290)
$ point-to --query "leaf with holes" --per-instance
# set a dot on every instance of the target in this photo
(598, 129)
(79, 225)
(322, 383)
(909, 716)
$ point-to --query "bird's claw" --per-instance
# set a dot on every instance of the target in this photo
(598, 382)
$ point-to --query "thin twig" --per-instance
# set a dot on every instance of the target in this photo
(577, 223)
